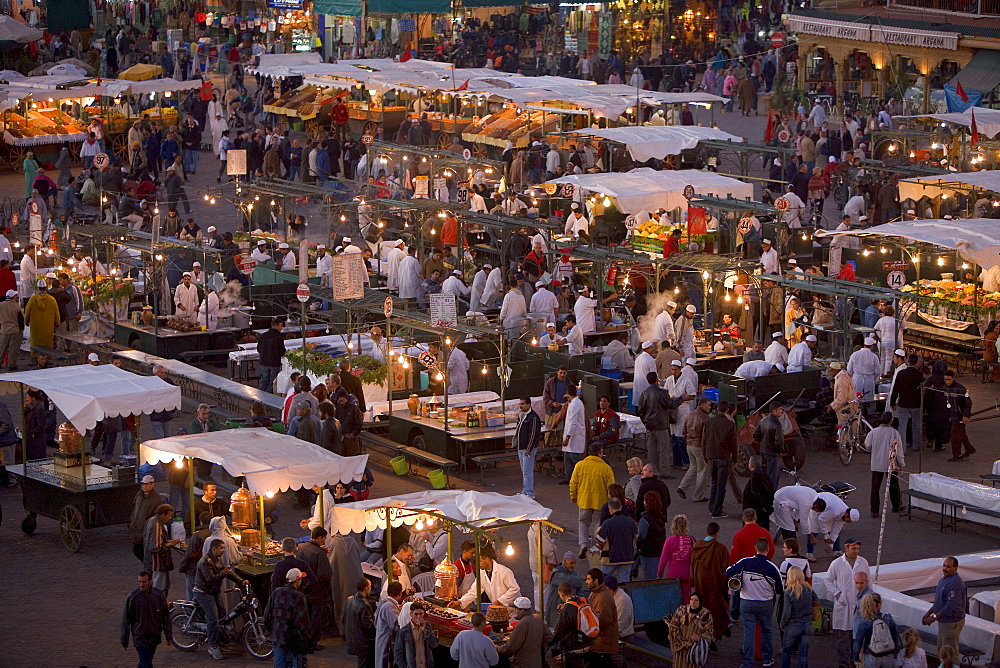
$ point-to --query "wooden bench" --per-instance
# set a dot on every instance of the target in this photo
(969, 654)
(429, 458)
(938, 353)
(54, 354)
(493, 458)
(381, 443)
(218, 355)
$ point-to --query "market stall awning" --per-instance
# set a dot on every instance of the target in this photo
(12, 30)
(87, 394)
(932, 186)
(141, 72)
(987, 120)
(338, 7)
(976, 239)
(479, 508)
(270, 461)
(982, 73)
(658, 141)
(648, 189)
(118, 87)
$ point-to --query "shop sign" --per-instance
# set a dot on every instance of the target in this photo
(688, 191)
(101, 160)
(551, 188)
(631, 223)
(247, 266)
(285, 4)
(421, 187)
(828, 28)
(568, 190)
(922, 38)
(443, 312)
(387, 307)
(895, 265)
(303, 292)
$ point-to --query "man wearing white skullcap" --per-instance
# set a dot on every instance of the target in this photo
(801, 354)
(684, 331)
(769, 258)
(644, 364)
(10, 330)
(777, 352)
(324, 266)
(454, 285)
(576, 223)
(544, 301)
(865, 368)
(664, 324)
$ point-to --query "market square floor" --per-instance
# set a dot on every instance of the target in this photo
(64, 609)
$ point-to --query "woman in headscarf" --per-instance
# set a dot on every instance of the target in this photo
(231, 556)
(30, 172)
(793, 312)
(690, 624)
(63, 164)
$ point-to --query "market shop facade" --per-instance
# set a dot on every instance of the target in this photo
(864, 60)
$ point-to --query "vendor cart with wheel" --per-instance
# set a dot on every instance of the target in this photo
(68, 486)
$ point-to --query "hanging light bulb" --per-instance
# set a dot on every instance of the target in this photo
(485, 371)
(866, 252)
(178, 463)
(534, 341)
(510, 549)
(728, 298)
(607, 201)
(269, 494)
(883, 250)
(205, 197)
(439, 376)
(739, 299)
(401, 359)
(419, 526)
(447, 340)
(705, 275)
(256, 198)
(156, 210)
(940, 261)
(273, 202)
(677, 291)
(350, 345)
(211, 201)
(965, 265)
(406, 365)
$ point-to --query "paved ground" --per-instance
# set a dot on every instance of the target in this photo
(66, 607)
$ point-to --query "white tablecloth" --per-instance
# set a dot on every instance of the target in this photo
(961, 491)
(984, 606)
(399, 405)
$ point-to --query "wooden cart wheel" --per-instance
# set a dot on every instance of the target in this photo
(313, 130)
(74, 153)
(371, 128)
(17, 156)
(479, 151)
(71, 528)
(444, 140)
(119, 144)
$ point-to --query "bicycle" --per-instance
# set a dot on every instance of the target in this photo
(851, 435)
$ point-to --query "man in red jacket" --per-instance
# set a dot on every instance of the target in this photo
(745, 540)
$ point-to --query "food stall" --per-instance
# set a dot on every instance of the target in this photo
(68, 486)
(488, 516)
(667, 143)
(268, 462)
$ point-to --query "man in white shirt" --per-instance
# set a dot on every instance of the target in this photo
(497, 582)
(801, 354)
(795, 211)
(664, 323)
(409, 276)
(865, 368)
(394, 257)
(684, 331)
(829, 515)
(574, 444)
(288, 259)
(476, 202)
(543, 301)
(493, 292)
(550, 336)
(458, 371)
(817, 116)
(576, 222)
(512, 309)
(260, 254)
(679, 387)
(454, 285)
(839, 580)
(644, 364)
(769, 258)
(776, 353)
(792, 512)
(758, 368)
(585, 310)
(553, 160)
(197, 275)
(324, 266)
(574, 335)
(623, 604)
(619, 353)
(186, 299)
(513, 206)
(479, 286)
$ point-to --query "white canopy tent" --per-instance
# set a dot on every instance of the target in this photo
(987, 120)
(976, 239)
(87, 394)
(658, 141)
(269, 461)
(466, 506)
(932, 186)
(646, 189)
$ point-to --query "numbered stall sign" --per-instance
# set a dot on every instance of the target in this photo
(631, 223)
(101, 160)
(568, 189)
(895, 279)
(744, 225)
(387, 307)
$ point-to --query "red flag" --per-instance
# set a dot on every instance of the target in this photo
(975, 130)
(961, 91)
(408, 53)
(464, 86)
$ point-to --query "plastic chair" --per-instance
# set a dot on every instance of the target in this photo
(423, 582)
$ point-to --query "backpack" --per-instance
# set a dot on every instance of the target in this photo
(881, 643)
(586, 619)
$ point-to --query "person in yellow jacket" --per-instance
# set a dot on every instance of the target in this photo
(588, 489)
(42, 315)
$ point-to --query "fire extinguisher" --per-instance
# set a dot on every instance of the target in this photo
(54, 241)
(612, 274)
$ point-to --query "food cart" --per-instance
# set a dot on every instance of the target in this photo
(488, 515)
(67, 486)
(268, 462)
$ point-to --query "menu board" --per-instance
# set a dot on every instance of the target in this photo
(349, 276)
(444, 310)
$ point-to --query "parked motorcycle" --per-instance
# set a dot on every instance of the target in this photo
(187, 620)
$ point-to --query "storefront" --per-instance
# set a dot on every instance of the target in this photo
(869, 58)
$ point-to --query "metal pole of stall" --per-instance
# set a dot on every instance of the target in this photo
(479, 582)
(388, 544)
(263, 532)
(388, 362)
(194, 520)
(24, 435)
(541, 572)
(302, 325)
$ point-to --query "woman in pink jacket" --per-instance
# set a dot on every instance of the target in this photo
(675, 560)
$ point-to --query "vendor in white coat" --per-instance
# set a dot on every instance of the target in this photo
(543, 301)
(839, 580)
(792, 511)
(801, 355)
(576, 222)
(769, 258)
(394, 257)
(585, 309)
(664, 323)
(208, 312)
(314, 520)
(28, 274)
(776, 353)
(493, 292)
(454, 285)
(574, 445)
(828, 516)
(260, 254)
(865, 368)
(574, 336)
(680, 387)
(888, 331)
(644, 364)
(684, 330)
(496, 581)
(512, 309)
(478, 286)
(458, 371)
(409, 276)
(288, 257)
(324, 266)
(186, 298)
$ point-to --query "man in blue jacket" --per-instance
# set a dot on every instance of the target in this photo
(760, 586)
(950, 599)
(527, 435)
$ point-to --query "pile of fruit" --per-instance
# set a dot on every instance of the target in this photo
(182, 325)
